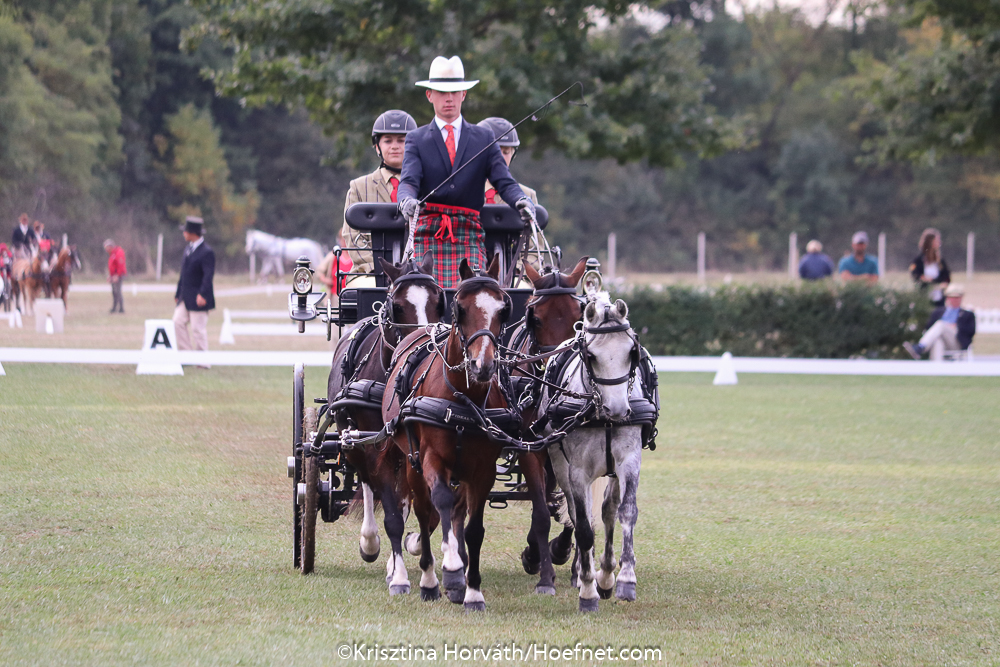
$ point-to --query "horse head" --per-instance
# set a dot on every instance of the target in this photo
(610, 353)
(554, 308)
(415, 298)
(479, 310)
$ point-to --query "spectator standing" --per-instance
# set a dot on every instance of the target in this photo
(195, 294)
(929, 269)
(859, 265)
(815, 265)
(949, 328)
(116, 273)
(24, 234)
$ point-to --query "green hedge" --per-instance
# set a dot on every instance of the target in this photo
(827, 320)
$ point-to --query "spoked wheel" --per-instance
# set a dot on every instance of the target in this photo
(295, 470)
(310, 506)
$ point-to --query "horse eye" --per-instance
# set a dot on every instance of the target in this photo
(536, 322)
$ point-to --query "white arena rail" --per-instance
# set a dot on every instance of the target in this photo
(230, 328)
(987, 320)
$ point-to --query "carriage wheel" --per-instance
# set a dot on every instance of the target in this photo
(310, 508)
(298, 409)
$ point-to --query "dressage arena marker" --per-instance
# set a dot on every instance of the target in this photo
(49, 315)
(159, 350)
(726, 375)
(227, 336)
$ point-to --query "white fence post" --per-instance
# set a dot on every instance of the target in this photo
(881, 254)
(701, 257)
(65, 240)
(970, 256)
(253, 266)
(793, 255)
(159, 257)
(612, 255)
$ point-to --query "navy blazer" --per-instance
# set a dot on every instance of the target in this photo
(426, 166)
(23, 238)
(966, 325)
(197, 273)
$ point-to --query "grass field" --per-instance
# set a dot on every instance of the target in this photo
(787, 520)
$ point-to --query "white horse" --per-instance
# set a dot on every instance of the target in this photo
(603, 364)
(275, 250)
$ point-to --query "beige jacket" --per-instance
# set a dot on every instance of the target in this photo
(373, 188)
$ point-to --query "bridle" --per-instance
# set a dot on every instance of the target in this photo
(539, 296)
(602, 329)
(384, 315)
(464, 288)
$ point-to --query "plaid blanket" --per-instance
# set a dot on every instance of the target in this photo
(451, 233)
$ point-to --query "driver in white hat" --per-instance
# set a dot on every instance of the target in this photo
(449, 222)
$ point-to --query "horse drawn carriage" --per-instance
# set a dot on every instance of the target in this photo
(540, 340)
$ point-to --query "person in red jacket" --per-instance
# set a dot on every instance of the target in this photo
(116, 272)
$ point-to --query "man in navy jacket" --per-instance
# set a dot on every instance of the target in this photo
(195, 295)
(449, 225)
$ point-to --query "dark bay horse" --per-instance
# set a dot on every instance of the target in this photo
(61, 272)
(450, 471)
(361, 363)
(550, 315)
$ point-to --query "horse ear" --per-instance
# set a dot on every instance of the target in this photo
(494, 270)
(573, 279)
(389, 270)
(590, 312)
(440, 306)
(529, 271)
(427, 263)
(464, 270)
(621, 308)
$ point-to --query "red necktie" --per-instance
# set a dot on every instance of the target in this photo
(395, 188)
(450, 143)
(491, 196)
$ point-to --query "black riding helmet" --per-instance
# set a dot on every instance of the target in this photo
(503, 130)
(393, 121)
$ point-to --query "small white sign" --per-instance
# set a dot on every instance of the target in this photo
(49, 315)
(159, 350)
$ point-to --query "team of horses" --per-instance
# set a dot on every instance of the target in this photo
(423, 373)
(37, 270)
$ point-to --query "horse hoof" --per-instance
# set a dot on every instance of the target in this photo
(530, 566)
(625, 590)
(545, 590)
(368, 558)
(588, 604)
(475, 606)
(456, 595)
(559, 555)
(604, 593)
(432, 593)
(399, 589)
(453, 579)
(412, 544)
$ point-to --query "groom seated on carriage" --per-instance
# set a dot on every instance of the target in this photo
(380, 186)
(449, 224)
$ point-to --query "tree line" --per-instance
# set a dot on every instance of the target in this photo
(119, 117)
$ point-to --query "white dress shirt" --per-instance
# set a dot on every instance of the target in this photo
(457, 124)
(193, 245)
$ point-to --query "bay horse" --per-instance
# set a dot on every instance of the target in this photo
(61, 273)
(550, 317)
(360, 368)
(602, 362)
(450, 472)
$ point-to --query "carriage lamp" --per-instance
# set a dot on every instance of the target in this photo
(592, 280)
(302, 280)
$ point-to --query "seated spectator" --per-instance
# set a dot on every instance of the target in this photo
(815, 265)
(859, 266)
(950, 327)
(929, 269)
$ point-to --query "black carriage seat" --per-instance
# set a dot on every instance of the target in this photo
(502, 227)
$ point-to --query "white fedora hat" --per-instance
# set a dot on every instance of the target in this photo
(447, 75)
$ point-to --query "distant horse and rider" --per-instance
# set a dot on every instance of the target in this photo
(276, 250)
(38, 268)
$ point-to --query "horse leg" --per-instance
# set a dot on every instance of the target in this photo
(459, 513)
(609, 511)
(396, 577)
(424, 509)
(628, 513)
(585, 545)
(536, 558)
(370, 544)
(452, 567)
(561, 547)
